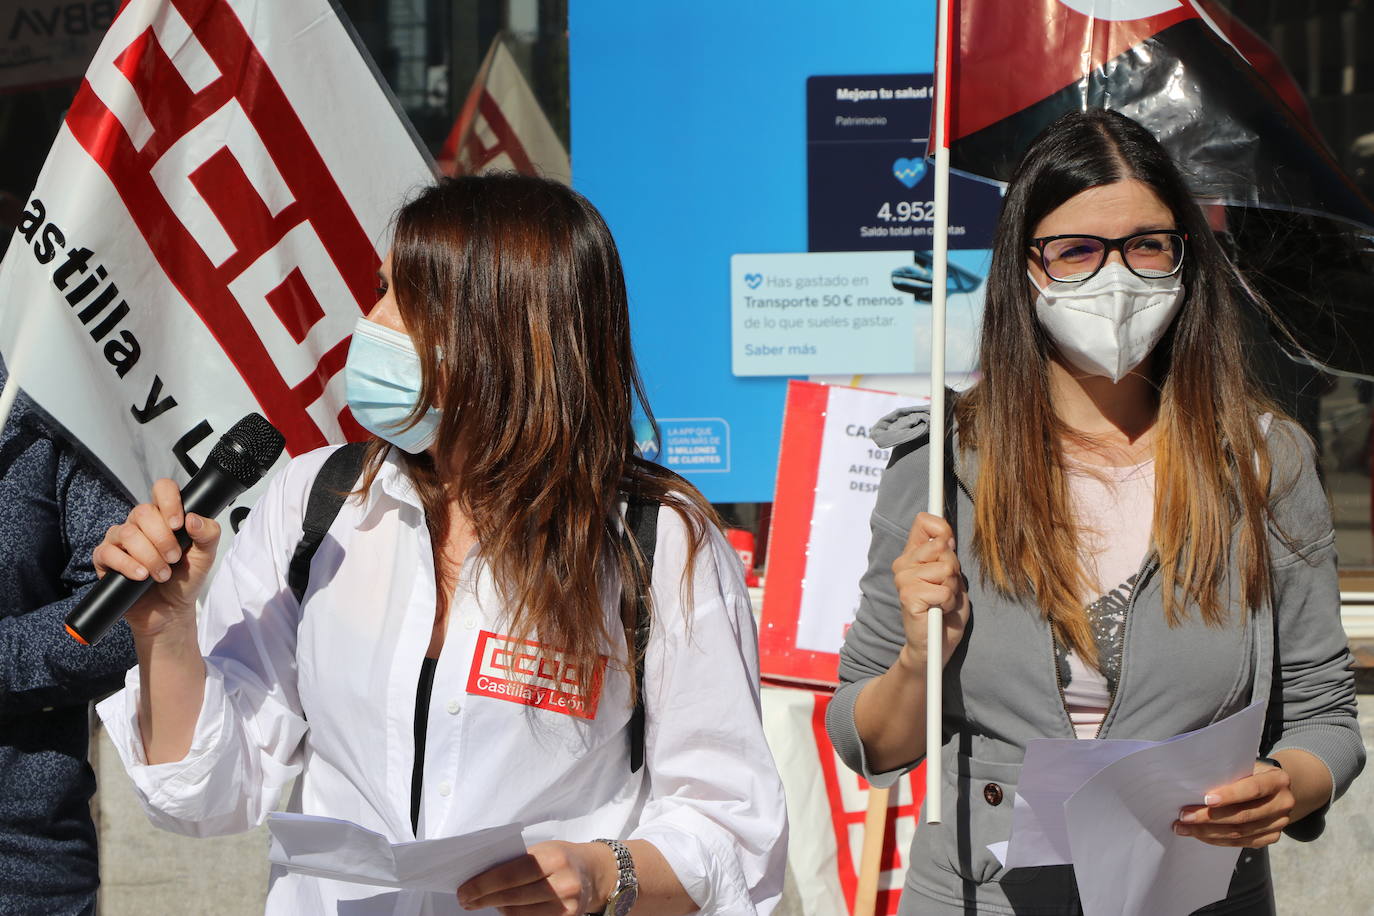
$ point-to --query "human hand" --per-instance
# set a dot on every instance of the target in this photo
(1250, 812)
(146, 545)
(551, 879)
(927, 575)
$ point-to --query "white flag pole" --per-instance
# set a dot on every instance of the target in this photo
(875, 823)
(935, 631)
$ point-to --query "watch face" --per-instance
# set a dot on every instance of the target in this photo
(624, 900)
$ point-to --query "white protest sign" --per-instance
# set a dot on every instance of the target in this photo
(846, 489)
(828, 475)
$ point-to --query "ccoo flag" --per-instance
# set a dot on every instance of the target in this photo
(205, 231)
(1223, 107)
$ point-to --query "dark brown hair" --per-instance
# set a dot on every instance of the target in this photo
(512, 290)
(1212, 463)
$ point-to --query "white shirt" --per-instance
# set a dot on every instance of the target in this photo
(324, 692)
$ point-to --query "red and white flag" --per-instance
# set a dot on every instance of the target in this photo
(1206, 86)
(502, 126)
(205, 232)
(1220, 102)
(826, 807)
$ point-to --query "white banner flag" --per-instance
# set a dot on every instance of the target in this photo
(826, 807)
(502, 126)
(205, 232)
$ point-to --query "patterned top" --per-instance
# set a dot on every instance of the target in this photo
(55, 506)
(1114, 506)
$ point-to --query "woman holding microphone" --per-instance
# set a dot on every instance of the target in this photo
(483, 553)
(1137, 545)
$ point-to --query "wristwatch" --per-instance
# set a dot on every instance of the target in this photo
(1269, 760)
(626, 891)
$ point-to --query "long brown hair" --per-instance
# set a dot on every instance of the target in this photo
(512, 290)
(1212, 464)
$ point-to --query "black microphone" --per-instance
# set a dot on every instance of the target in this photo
(238, 460)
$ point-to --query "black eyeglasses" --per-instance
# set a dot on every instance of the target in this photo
(1074, 258)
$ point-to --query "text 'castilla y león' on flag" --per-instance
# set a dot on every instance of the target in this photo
(205, 231)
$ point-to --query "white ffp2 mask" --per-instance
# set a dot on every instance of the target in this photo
(1108, 324)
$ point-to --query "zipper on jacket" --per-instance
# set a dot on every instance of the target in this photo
(963, 486)
(1142, 576)
(1059, 682)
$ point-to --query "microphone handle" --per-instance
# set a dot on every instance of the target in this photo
(207, 494)
(104, 605)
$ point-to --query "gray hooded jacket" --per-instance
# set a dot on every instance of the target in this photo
(1001, 686)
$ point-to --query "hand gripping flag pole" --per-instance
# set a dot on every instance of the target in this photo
(875, 823)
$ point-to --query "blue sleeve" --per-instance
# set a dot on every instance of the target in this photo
(41, 665)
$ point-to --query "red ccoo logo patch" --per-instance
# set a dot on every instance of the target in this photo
(522, 671)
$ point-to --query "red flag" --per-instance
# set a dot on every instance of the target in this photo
(1048, 44)
(1168, 64)
(1221, 104)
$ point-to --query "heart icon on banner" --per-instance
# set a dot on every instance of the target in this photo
(909, 171)
(753, 280)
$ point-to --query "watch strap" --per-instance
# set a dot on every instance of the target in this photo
(627, 881)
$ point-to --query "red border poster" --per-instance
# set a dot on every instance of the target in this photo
(799, 455)
(828, 472)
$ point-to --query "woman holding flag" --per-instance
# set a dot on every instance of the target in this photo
(1137, 545)
(464, 653)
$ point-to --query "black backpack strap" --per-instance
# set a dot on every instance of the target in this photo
(335, 481)
(641, 521)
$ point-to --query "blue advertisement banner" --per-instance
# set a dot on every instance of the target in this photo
(869, 187)
(849, 313)
(694, 131)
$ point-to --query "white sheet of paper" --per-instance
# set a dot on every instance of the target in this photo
(1127, 858)
(330, 848)
(1054, 769)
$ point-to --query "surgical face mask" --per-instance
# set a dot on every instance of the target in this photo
(382, 385)
(1108, 324)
